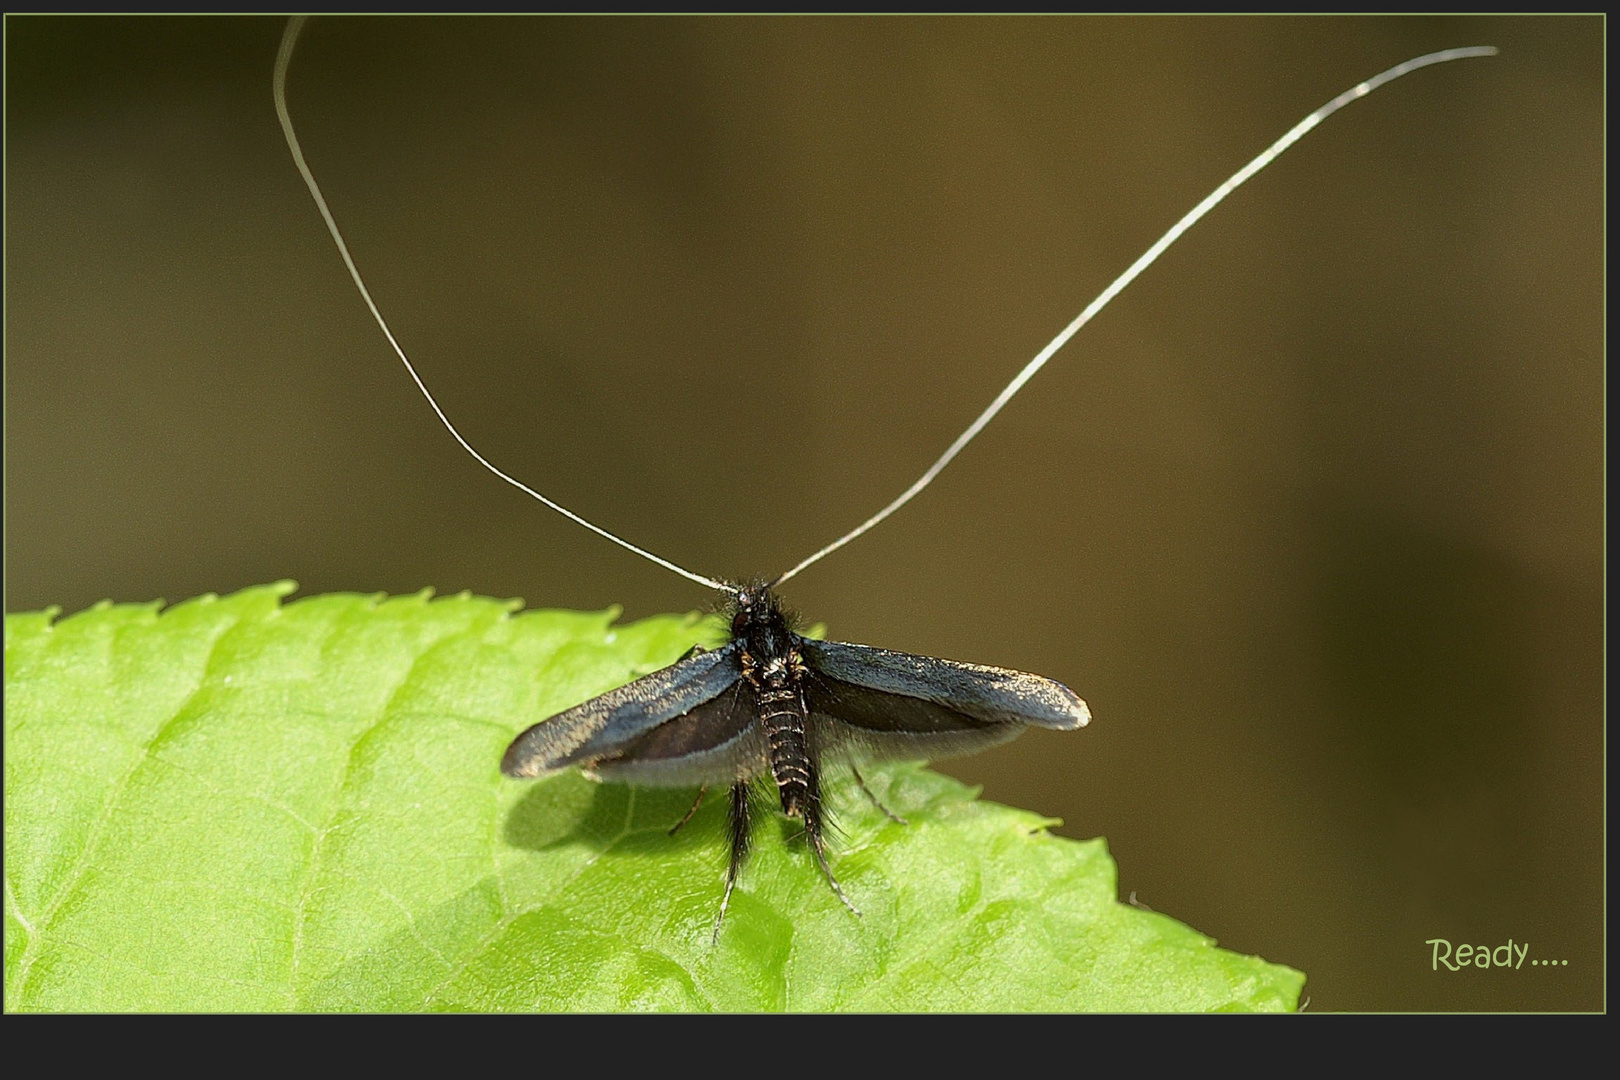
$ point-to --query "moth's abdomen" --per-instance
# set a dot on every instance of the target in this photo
(781, 715)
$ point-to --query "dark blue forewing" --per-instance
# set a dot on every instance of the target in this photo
(988, 695)
(607, 724)
(719, 742)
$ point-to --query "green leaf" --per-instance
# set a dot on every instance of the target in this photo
(238, 804)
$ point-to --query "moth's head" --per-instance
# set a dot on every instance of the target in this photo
(754, 607)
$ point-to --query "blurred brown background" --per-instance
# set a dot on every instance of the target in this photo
(1312, 516)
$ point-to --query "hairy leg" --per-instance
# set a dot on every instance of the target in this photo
(738, 829)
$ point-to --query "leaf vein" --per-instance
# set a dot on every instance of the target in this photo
(506, 920)
(93, 838)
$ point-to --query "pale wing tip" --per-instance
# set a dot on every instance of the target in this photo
(516, 767)
(1061, 709)
(526, 757)
(1079, 713)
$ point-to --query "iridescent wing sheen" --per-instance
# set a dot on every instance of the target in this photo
(719, 742)
(608, 724)
(885, 705)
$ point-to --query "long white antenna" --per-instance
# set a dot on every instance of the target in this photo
(289, 38)
(1294, 135)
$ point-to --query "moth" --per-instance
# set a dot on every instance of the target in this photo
(771, 703)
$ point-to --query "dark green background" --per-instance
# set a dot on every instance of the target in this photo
(1313, 516)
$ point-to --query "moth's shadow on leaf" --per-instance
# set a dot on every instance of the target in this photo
(570, 809)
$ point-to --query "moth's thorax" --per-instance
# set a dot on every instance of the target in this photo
(773, 674)
(770, 654)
